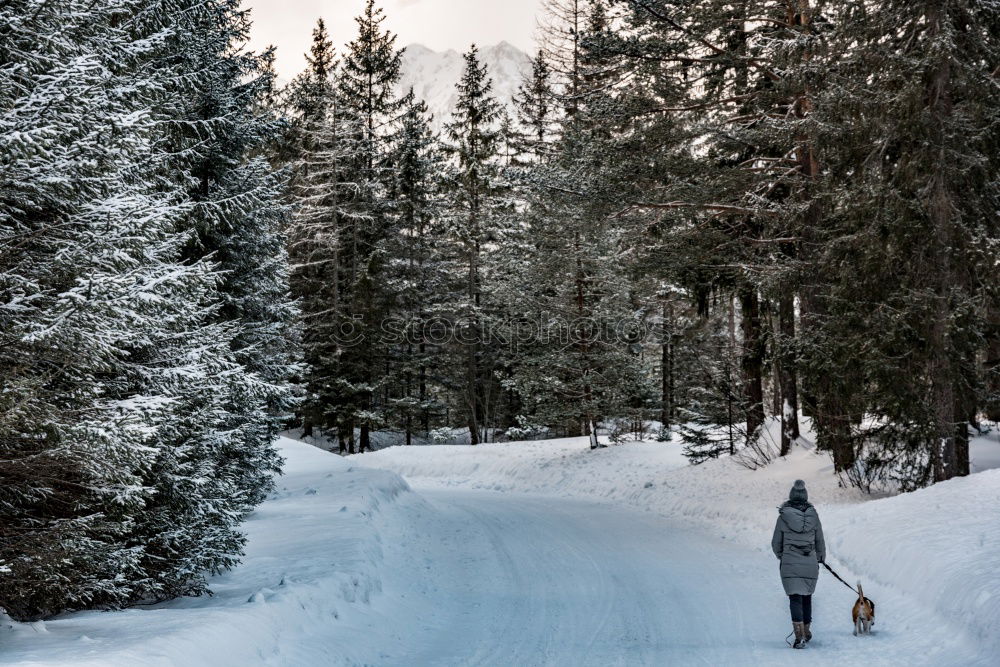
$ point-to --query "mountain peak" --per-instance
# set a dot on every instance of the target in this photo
(433, 74)
(416, 49)
(505, 46)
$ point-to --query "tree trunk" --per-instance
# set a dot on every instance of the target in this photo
(991, 368)
(991, 363)
(944, 458)
(667, 367)
(473, 431)
(472, 393)
(965, 413)
(753, 362)
(365, 443)
(583, 344)
(775, 388)
(836, 425)
(730, 380)
(342, 437)
(787, 374)
(963, 465)
(424, 414)
(471, 419)
(800, 15)
(473, 423)
(732, 323)
(942, 389)
(729, 408)
(472, 369)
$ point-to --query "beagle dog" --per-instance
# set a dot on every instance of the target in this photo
(863, 613)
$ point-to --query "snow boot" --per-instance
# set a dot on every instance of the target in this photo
(800, 630)
(807, 633)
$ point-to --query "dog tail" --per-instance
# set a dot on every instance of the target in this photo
(861, 593)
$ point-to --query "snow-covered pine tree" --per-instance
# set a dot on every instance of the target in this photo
(475, 187)
(69, 485)
(320, 147)
(535, 109)
(369, 72)
(108, 333)
(216, 459)
(306, 100)
(598, 373)
(726, 216)
(711, 418)
(585, 365)
(562, 24)
(221, 134)
(418, 275)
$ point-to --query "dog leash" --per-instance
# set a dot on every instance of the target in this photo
(839, 579)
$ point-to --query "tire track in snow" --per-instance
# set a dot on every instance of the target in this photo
(514, 579)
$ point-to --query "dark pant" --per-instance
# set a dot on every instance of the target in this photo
(801, 607)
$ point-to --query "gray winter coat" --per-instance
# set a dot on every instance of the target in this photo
(798, 544)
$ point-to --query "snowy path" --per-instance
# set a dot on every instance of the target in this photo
(346, 566)
(510, 579)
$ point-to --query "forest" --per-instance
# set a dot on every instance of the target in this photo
(696, 218)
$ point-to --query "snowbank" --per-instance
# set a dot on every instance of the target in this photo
(941, 545)
(314, 553)
(938, 547)
(564, 467)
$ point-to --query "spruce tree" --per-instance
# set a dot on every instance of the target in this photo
(82, 240)
(418, 275)
(216, 460)
(562, 24)
(535, 107)
(124, 472)
(597, 372)
(474, 186)
(321, 148)
(730, 213)
(369, 72)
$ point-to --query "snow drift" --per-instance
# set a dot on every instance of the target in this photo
(314, 552)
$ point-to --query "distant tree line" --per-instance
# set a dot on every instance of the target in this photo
(793, 202)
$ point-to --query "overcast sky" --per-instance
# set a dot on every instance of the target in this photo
(438, 24)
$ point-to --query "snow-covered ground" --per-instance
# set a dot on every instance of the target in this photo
(314, 554)
(929, 551)
(546, 553)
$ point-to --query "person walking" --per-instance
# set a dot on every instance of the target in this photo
(798, 543)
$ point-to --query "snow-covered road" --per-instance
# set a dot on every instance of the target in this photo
(511, 579)
(631, 558)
